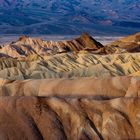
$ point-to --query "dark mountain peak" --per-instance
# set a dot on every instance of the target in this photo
(89, 41)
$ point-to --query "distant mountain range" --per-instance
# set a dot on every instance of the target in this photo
(115, 17)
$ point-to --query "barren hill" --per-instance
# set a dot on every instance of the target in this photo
(26, 46)
(130, 43)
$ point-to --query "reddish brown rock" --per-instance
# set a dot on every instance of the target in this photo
(130, 43)
(101, 88)
(36, 118)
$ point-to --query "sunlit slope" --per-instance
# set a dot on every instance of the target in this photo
(97, 88)
(70, 65)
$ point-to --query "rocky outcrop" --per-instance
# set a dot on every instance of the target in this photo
(26, 46)
(36, 118)
(130, 43)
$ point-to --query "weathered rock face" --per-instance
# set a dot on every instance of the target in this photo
(36, 118)
(130, 43)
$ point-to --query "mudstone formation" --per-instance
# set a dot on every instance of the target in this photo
(75, 89)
